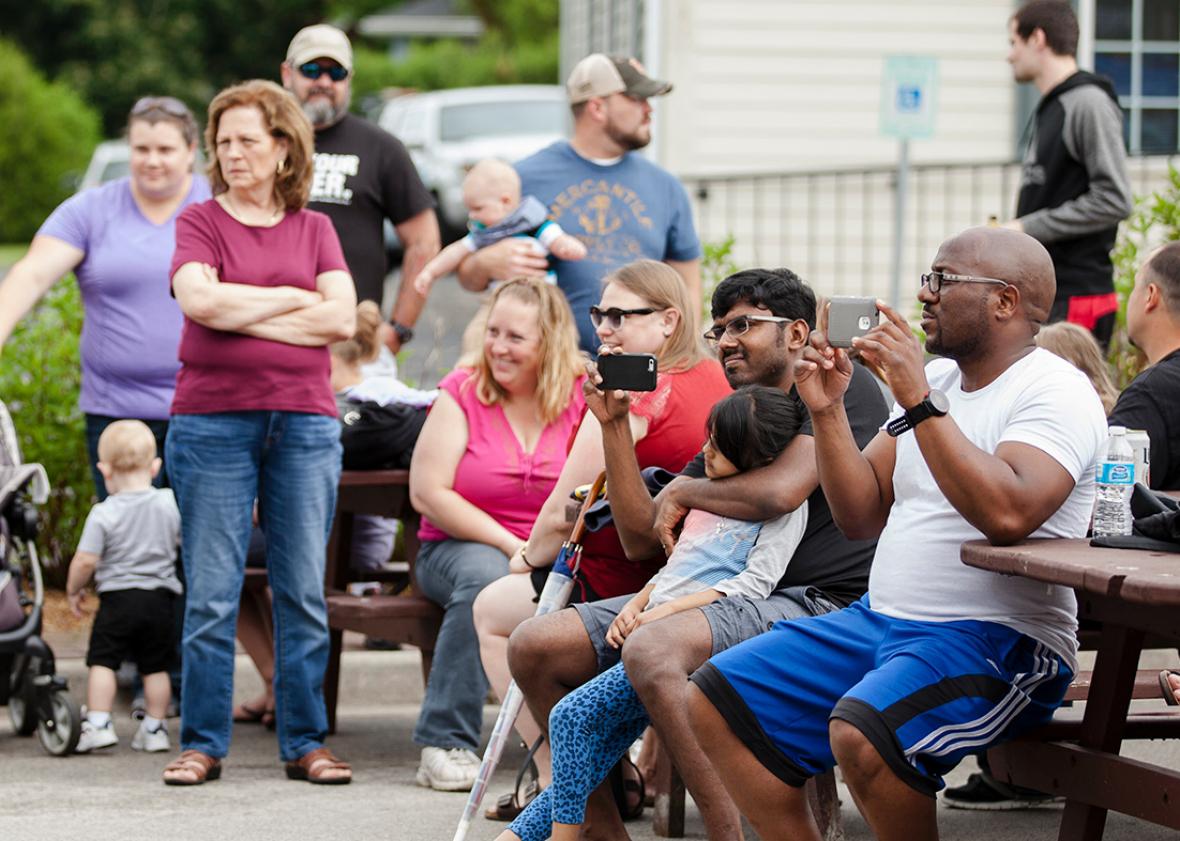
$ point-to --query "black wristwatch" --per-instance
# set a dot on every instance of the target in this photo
(934, 405)
(404, 334)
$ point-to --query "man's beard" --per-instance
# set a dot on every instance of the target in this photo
(321, 112)
(631, 142)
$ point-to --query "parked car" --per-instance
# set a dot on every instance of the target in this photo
(447, 132)
(112, 159)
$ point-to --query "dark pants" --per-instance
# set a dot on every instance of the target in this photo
(95, 424)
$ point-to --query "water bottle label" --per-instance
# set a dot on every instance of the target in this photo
(1115, 473)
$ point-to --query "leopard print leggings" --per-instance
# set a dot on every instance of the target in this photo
(589, 731)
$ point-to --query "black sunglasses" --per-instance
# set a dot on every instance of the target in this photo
(168, 104)
(313, 70)
(614, 317)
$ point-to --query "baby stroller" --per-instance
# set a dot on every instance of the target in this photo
(38, 700)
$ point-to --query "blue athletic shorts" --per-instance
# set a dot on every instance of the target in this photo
(925, 694)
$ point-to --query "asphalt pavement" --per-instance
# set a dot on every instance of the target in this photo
(118, 795)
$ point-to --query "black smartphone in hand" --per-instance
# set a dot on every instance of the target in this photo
(627, 371)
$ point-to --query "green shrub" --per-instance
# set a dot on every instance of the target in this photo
(453, 64)
(1155, 220)
(46, 133)
(716, 265)
(40, 375)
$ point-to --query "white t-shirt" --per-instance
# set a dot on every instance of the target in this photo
(1042, 401)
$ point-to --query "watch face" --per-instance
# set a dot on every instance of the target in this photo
(939, 401)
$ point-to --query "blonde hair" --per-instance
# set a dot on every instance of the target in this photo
(127, 446)
(1077, 345)
(285, 120)
(364, 344)
(662, 287)
(559, 362)
(492, 175)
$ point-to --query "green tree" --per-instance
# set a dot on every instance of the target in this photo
(39, 380)
(112, 52)
(46, 131)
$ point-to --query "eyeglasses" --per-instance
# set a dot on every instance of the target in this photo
(935, 280)
(614, 317)
(313, 70)
(168, 104)
(739, 326)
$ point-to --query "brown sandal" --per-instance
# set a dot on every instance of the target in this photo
(192, 768)
(1166, 687)
(320, 766)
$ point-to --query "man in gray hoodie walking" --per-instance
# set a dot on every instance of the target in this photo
(1074, 187)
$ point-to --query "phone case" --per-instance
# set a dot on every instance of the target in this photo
(628, 371)
(849, 317)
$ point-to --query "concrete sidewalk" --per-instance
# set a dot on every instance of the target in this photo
(118, 795)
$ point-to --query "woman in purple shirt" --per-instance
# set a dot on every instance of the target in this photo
(118, 241)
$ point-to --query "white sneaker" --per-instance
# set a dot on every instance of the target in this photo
(151, 741)
(96, 738)
(443, 769)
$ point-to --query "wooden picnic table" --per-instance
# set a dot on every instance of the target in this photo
(1131, 593)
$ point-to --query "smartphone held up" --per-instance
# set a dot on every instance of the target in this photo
(849, 317)
(627, 371)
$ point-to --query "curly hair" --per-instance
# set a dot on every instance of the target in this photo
(285, 120)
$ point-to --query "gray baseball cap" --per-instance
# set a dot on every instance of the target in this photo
(320, 41)
(601, 75)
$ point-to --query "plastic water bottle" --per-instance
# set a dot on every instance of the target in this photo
(1115, 479)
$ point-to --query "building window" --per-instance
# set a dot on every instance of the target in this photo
(1137, 44)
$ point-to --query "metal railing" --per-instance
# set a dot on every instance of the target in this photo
(835, 227)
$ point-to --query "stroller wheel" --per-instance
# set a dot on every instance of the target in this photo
(59, 735)
(22, 709)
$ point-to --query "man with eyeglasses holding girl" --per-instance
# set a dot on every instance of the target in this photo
(363, 175)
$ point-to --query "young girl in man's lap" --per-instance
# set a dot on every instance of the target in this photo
(592, 727)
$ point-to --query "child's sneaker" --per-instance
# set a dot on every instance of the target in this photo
(96, 738)
(151, 741)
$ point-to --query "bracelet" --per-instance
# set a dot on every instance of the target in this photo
(404, 332)
(524, 556)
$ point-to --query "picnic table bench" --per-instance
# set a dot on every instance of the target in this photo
(1130, 594)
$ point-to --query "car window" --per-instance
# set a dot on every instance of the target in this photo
(497, 119)
(114, 169)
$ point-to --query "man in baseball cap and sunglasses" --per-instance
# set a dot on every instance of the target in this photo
(363, 175)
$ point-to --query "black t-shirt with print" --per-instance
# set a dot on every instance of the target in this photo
(363, 175)
(1152, 403)
(825, 558)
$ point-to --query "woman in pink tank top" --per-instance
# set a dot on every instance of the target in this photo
(486, 461)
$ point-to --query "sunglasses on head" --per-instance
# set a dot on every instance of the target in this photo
(313, 70)
(614, 317)
(168, 104)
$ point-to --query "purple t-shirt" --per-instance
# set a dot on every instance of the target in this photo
(132, 324)
(232, 372)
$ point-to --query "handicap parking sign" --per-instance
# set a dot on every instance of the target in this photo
(908, 95)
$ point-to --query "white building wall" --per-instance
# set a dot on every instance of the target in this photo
(772, 85)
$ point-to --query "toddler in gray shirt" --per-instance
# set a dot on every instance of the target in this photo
(128, 546)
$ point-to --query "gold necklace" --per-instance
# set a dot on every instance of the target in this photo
(237, 214)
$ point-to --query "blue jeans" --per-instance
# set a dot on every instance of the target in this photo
(218, 465)
(451, 573)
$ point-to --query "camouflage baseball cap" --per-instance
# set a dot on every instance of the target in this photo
(601, 75)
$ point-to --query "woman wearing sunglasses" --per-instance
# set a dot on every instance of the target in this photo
(645, 308)
(117, 239)
(264, 289)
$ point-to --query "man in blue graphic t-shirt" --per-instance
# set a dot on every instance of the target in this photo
(620, 205)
